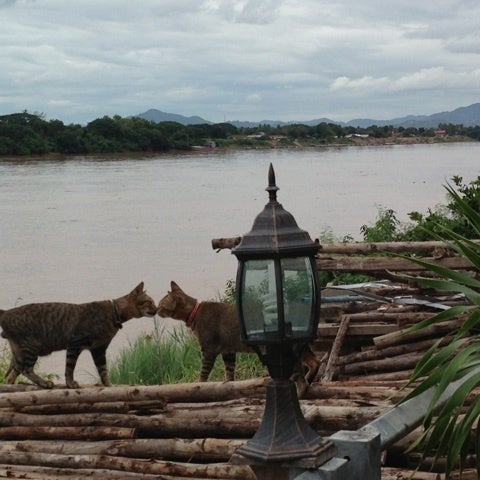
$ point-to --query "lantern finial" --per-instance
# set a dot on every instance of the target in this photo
(272, 188)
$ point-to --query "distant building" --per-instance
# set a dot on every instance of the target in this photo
(277, 138)
(357, 135)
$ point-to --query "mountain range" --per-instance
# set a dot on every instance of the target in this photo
(468, 116)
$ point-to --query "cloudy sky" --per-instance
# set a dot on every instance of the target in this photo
(238, 59)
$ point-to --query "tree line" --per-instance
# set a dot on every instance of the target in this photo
(30, 134)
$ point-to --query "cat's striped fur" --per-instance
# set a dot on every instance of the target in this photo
(215, 326)
(39, 329)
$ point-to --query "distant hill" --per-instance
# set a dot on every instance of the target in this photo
(158, 116)
(468, 116)
(274, 123)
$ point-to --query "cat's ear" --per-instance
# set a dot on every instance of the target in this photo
(174, 286)
(138, 289)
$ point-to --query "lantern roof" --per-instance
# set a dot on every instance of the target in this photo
(275, 232)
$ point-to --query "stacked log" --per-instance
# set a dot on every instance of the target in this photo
(172, 432)
(175, 432)
(169, 432)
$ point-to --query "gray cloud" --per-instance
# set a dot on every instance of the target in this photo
(238, 59)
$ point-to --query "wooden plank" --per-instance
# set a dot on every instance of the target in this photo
(383, 264)
(366, 329)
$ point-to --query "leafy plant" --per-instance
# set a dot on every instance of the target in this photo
(385, 228)
(448, 432)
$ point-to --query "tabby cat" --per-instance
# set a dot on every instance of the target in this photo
(39, 329)
(216, 328)
(214, 325)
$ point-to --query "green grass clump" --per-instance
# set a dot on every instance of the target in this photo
(173, 357)
(4, 362)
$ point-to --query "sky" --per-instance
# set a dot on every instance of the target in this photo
(228, 60)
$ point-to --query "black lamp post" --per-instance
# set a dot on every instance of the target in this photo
(278, 303)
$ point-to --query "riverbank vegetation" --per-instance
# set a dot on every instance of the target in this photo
(30, 134)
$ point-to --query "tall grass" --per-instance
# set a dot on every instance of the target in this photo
(172, 357)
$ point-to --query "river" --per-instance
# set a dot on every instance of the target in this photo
(80, 228)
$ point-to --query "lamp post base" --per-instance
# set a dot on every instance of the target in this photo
(284, 436)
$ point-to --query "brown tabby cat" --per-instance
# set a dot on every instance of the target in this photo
(216, 328)
(39, 329)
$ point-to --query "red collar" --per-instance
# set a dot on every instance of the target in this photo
(193, 314)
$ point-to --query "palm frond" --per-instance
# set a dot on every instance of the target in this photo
(451, 371)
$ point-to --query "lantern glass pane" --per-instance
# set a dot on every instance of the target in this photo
(259, 300)
(298, 295)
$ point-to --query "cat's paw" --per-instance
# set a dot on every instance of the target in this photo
(73, 384)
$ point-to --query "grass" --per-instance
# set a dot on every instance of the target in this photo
(172, 357)
(161, 358)
(5, 356)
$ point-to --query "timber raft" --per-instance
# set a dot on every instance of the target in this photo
(185, 431)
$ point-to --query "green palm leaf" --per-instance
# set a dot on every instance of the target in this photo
(446, 432)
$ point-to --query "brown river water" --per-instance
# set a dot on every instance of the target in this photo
(79, 229)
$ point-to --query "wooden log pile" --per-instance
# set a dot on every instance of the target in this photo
(377, 344)
(175, 432)
(362, 332)
(172, 432)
